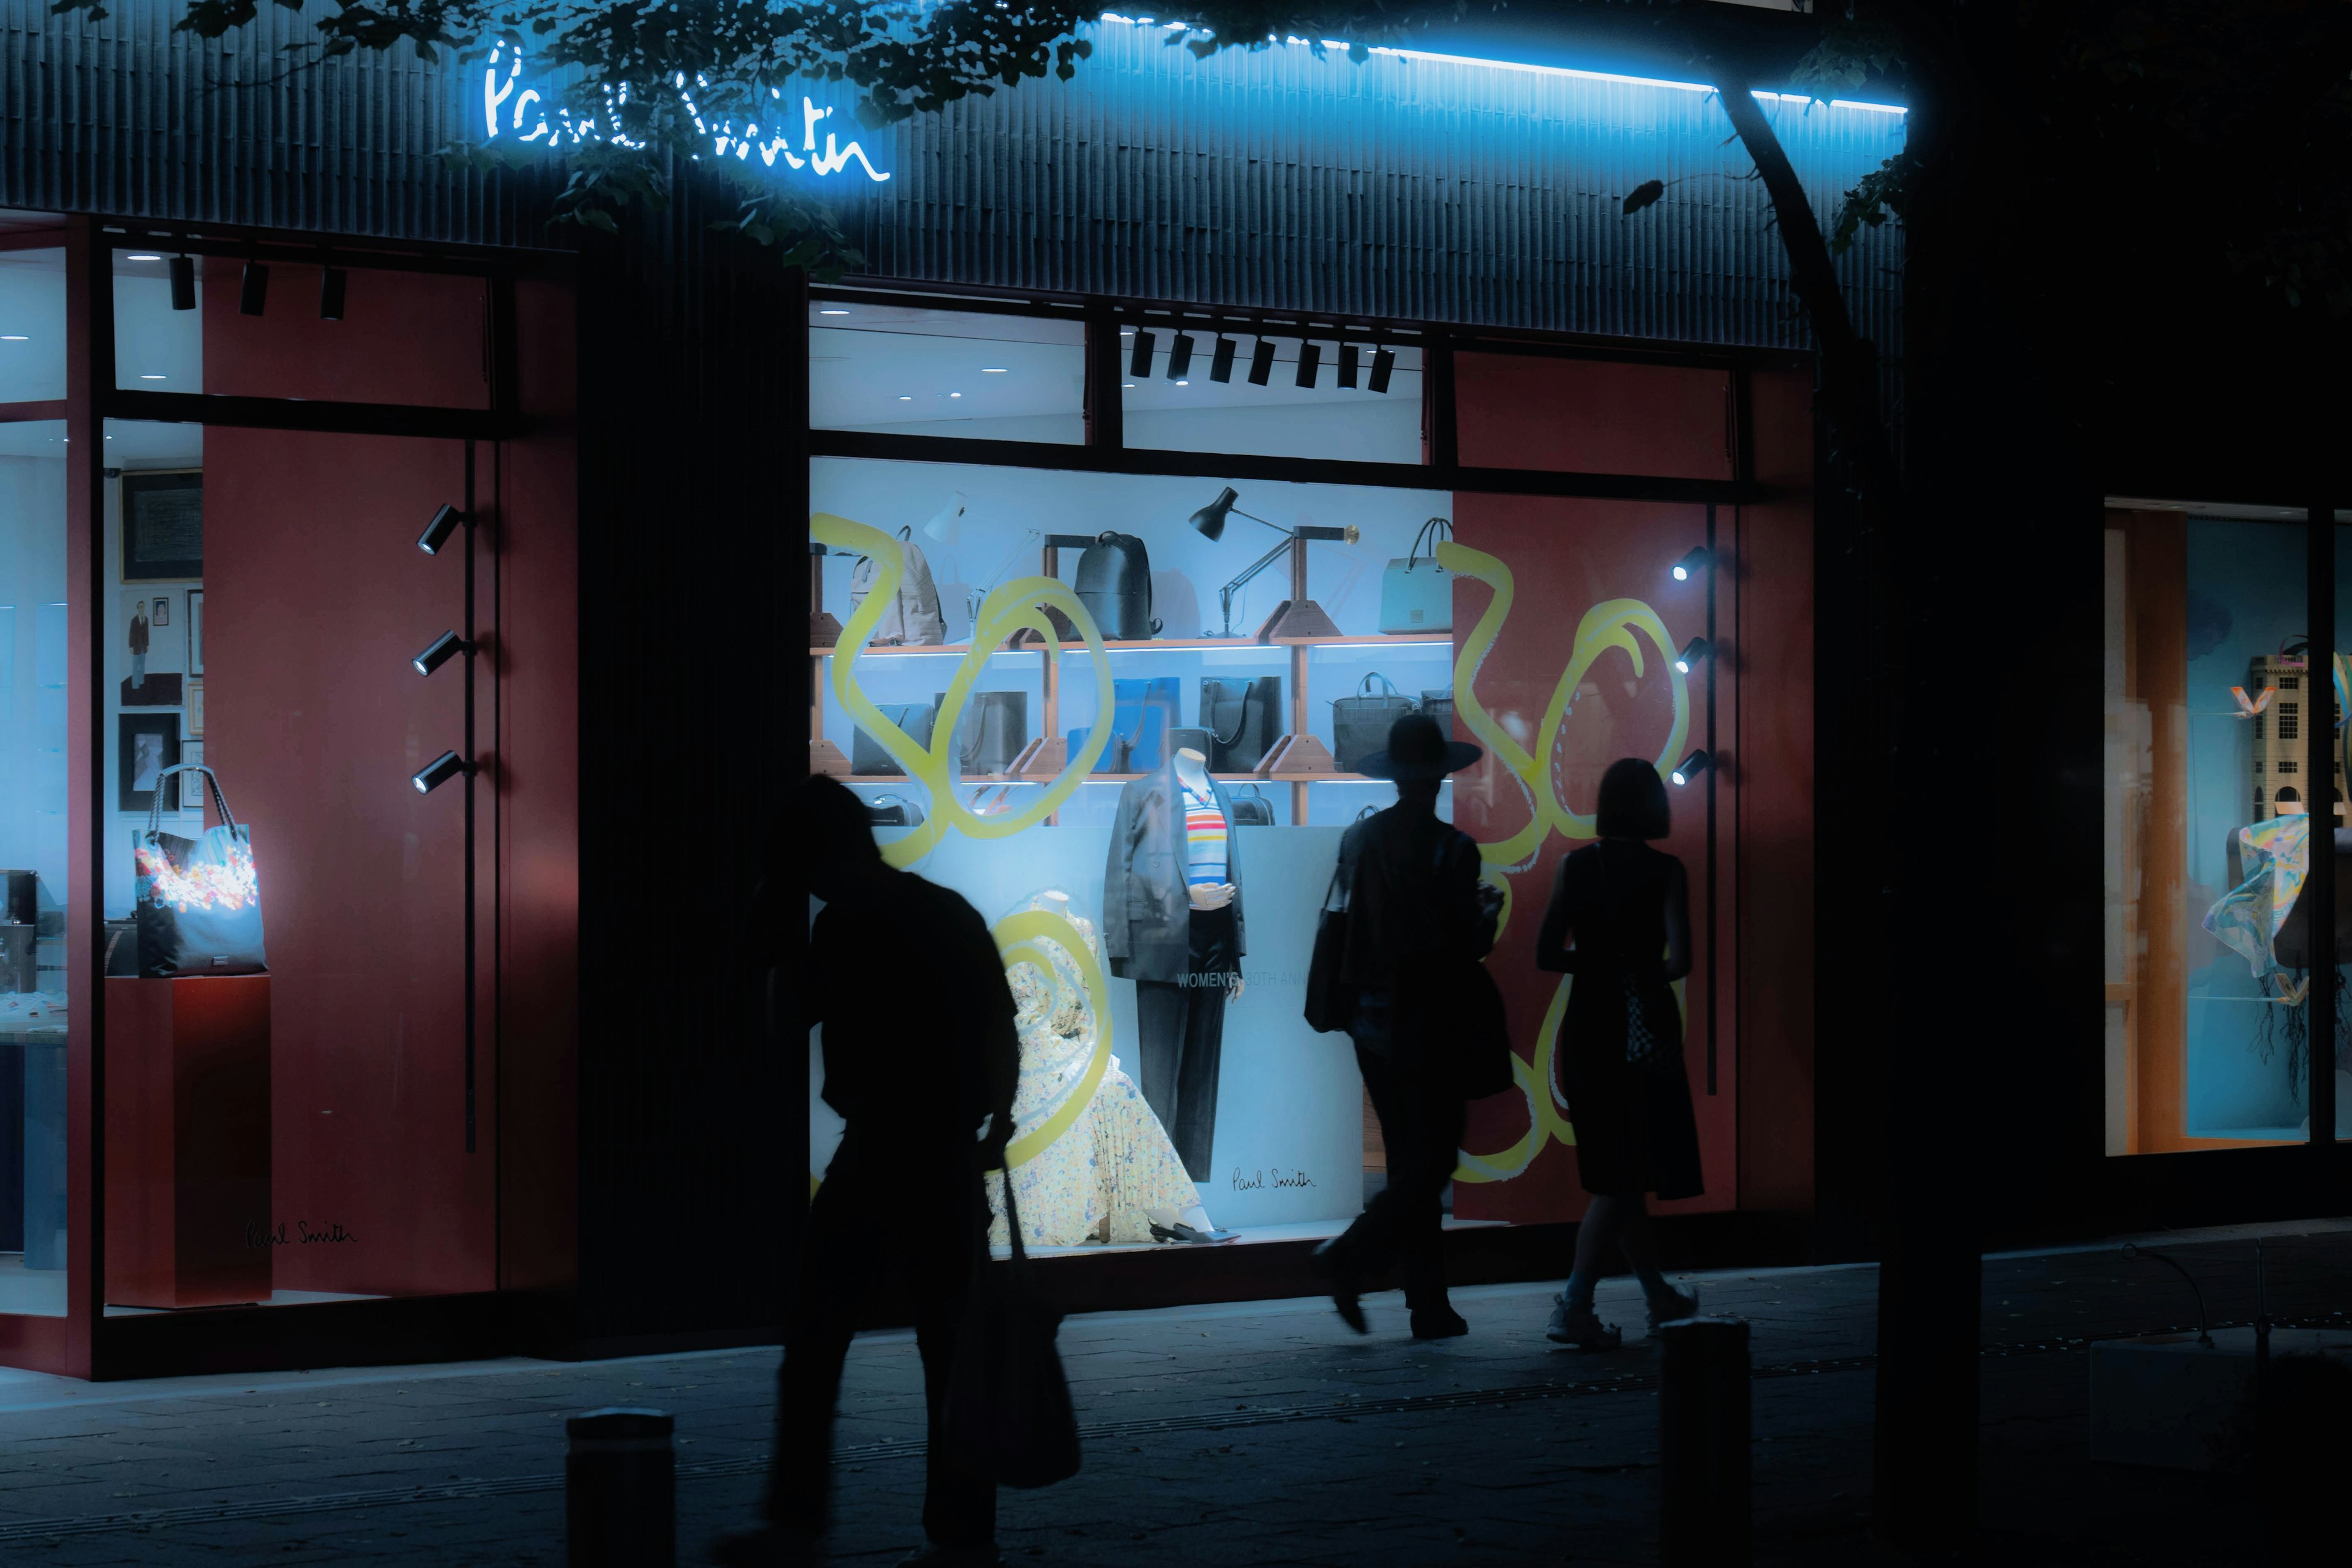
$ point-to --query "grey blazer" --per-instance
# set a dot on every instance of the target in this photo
(1147, 914)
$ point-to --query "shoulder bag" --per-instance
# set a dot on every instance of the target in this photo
(199, 899)
(1008, 1404)
(914, 616)
(1416, 593)
(1330, 1006)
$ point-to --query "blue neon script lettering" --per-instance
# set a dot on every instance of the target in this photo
(502, 87)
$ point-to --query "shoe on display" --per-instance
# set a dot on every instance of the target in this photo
(765, 1546)
(933, 1556)
(1438, 1322)
(1331, 1264)
(1582, 1327)
(1192, 1224)
(1678, 1305)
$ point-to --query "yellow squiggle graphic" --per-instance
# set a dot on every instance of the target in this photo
(1611, 625)
(1011, 608)
(1022, 938)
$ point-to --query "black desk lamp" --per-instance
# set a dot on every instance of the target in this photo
(1210, 522)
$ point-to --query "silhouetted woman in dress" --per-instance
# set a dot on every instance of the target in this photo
(1619, 921)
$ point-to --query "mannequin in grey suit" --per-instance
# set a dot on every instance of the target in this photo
(1182, 947)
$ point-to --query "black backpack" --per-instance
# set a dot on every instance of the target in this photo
(1115, 586)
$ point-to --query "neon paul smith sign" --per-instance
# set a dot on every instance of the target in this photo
(502, 87)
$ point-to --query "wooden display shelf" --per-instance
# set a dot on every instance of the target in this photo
(1171, 645)
(991, 780)
(1391, 639)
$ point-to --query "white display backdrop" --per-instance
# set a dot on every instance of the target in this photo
(1289, 1138)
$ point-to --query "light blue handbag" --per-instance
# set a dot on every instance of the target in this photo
(1416, 593)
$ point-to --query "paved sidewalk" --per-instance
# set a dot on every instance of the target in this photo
(1259, 1433)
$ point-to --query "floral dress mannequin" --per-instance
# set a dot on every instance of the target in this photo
(1112, 1163)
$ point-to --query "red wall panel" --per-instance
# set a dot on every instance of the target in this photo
(1593, 416)
(317, 597)
(405, 337)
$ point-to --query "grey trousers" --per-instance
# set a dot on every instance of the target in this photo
(1181, 1034)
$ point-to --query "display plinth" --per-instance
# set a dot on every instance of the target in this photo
(187, 1141)
(1305, 618)
(823, 630)
(825, 758)
(1045, 759)
(1298, 756)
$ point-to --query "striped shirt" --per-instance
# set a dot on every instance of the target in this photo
(1204, 839)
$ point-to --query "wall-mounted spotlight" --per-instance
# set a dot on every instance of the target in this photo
(1692, 651)
(183, 282)
(253, 293)
(445, 646)
(1261, 362)
(1139, 364)
(1692, 766)
(1347, 364)
(440, 770)
(1383, 362)
(1220, 364)
(1692, 565)
(437, 532)
(1310, 360)
(1180, 356)
(331, 294)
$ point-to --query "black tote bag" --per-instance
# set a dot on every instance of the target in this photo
(1359, 724)
(1243, 719)
(1009, 1410)
(199, 907)
(1329, 1007)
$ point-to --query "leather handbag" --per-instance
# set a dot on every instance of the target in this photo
(1359, 724)
(1439, 705)
(1113, 754)
(1250, 809)
(866, 757)
(199, 906)
(1329, 1006)
(992, 731)
(1243, 719)
(1009, 1417)
(1115, 586)
(893, 811)
(1144, 711)
(1416, 593)
(914, 616)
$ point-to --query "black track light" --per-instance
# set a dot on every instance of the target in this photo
(1220, 364)
(1261, 362)
(1347, 364)
(331, 294)
(440, 770)
(445, 646)
(437, 532)
(183, 282)
(253, 294)
(1180, 356)
(1139, 364)
(1692, 766)
(1692, 651)
(1310, 360)
(1383, 362)
(1692, 565)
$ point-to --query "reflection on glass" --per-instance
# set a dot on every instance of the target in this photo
(157, 348)
(914, 372)
(32, 325)
(1281, 397)
(32, 867)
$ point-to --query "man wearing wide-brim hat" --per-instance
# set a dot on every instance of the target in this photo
(1426, 1019)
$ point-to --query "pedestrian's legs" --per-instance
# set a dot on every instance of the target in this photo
(1434, 1140)
(959, 1494)
(1603, 1219)
(827, 1290)
(1641, 1244)
(1368, 1243)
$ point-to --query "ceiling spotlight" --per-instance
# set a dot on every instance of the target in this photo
(1220, 364)
(1383, 361)
(1310, 360)
(1347, 364)
(331, 294)
(1180, 356)
(947, 523)
(253, 293)
(445, 646)
(1261, 362)
(437, 532)
(1692, 565)
(183, 282)
(1139, 364)
(1692, 651)
(826, 312)
(1693, 765)
(440, 770)
(993, 370)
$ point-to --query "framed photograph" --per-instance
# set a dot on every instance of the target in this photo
(150, 743)
(152, 647)
(163, 524)
(195, 712)
(192, 785)
(162, 615)
(195, 631)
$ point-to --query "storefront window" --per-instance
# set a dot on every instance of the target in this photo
(1190, 387)
(32, 326)
(2224, 736)
(880, 366)
(33, 850)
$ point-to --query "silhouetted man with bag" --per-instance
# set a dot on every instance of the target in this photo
(921, 1059)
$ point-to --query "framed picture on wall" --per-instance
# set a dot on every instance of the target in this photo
(163, 524)
(150, 743)
(195, 631)
(192, 785)
(195, 709)
(150, 648)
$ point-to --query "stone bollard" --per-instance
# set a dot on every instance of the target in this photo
(1702, 1443)
(620, 1485)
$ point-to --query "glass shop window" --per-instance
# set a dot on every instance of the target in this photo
(316, 330)
(1190, 387)
(2208, 827)
(908, 371)
(32, 326)
(33, 803)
